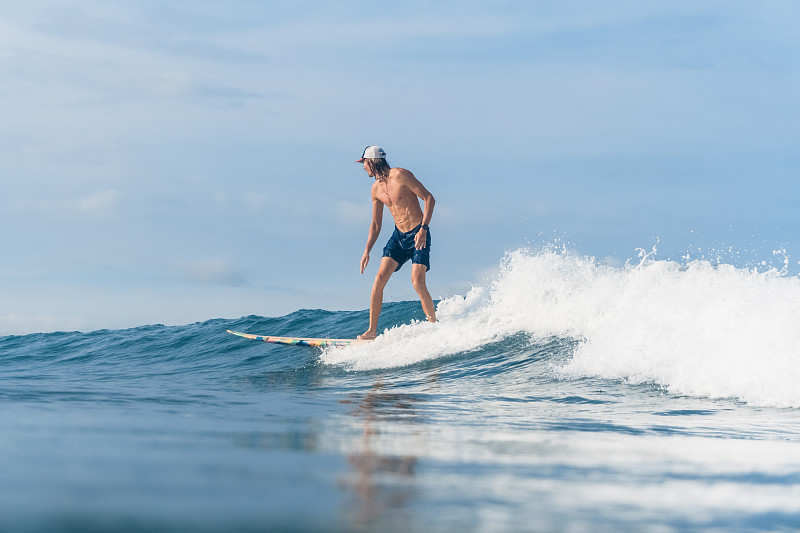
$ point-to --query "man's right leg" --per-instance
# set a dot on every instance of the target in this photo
(418, 272)
(385, 271)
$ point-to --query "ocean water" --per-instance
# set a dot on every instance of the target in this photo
(562, 395)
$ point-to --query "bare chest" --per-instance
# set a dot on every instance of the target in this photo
(392, 194)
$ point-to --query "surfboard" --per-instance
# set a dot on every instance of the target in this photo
(298, 341)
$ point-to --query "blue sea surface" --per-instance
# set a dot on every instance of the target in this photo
(189, 428)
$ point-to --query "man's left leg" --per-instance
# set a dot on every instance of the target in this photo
(418, 272)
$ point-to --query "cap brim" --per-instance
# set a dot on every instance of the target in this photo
(361, 160)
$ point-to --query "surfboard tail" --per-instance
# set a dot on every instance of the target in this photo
(298, 341)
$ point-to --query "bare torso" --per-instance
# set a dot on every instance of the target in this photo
(397, 192)
(401, 192)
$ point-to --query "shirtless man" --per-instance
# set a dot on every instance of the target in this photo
(400, 191)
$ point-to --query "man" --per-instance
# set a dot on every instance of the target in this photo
(397, 189)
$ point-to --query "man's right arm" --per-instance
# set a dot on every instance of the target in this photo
(374, 230)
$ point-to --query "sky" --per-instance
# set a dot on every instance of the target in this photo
(172, 161)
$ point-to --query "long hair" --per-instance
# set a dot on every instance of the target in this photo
(378, 167)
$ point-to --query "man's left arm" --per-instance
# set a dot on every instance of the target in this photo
(424, 195)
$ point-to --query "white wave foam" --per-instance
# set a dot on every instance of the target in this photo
(695, 328)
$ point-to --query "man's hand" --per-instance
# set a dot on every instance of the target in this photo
(420, 238)
(364, 261)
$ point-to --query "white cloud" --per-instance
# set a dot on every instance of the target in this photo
(256, 201)
(354, 212)
(101, 203)
(214, 271)
(21, 324)
(539, 209)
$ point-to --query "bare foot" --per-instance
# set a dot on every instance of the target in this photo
(367, 336)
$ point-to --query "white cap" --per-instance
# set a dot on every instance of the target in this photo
(372, 152)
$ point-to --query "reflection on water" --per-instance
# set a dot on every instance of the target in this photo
(573, 457)
(381, 484)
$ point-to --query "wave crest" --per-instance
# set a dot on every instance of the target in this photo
(694, 328)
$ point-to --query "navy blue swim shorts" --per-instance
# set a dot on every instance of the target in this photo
(401, 248)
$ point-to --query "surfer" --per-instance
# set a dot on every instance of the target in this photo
(397, 189)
